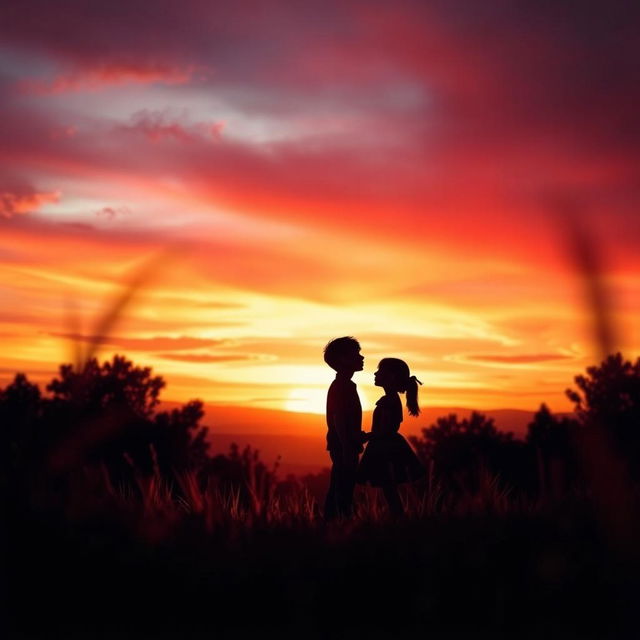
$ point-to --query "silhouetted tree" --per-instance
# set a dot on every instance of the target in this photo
(550, 440)
(461, 449)
(609, 396)
(115, 383)
(179, 439)
(20, 412)
(102, 414)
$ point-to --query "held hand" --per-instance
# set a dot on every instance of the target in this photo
(350, 456)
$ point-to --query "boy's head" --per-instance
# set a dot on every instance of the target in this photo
(343, 354)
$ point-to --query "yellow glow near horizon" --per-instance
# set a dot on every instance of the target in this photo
(267, 351)
(306, 400)
(256, 343)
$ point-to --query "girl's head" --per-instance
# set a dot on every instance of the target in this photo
(394, 374)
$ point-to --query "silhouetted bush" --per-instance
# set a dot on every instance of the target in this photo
(551, 440)
(101, 415)
(608, 396)
(461, 452)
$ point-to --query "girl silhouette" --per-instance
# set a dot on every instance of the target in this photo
(389, 459)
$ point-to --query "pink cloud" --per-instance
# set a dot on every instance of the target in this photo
(62, 132)
(18, 201)
(108, 75)
(512, 107)
(159, 125)
(111, 213)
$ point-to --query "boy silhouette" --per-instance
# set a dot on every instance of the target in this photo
(344, 424)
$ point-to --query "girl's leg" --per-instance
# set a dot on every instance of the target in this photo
(392, 496)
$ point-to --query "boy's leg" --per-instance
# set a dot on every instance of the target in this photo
(331, 501)
(348, 483)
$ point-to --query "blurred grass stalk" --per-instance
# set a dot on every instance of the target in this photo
(73, 449)
(107, 321)
(605, 468)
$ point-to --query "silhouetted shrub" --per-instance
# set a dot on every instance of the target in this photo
(460, 451)
(608, 396)
(102, 414)
(551, 440)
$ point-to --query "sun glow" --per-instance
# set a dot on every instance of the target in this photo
(306, 400)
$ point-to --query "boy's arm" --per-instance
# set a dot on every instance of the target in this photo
(350, 434)
(345, 432)
(340, 414)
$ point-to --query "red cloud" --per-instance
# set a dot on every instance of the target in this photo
(24, 200)
(268, 267)
(515, 102)
(110, 75)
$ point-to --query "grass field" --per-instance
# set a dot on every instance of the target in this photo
(96, 561)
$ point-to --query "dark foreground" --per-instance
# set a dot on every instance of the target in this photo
(551, 573)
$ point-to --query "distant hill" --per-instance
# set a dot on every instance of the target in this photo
(299, 438)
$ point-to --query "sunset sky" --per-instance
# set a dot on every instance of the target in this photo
(275, 174)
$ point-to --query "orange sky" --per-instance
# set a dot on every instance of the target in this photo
(382, 170)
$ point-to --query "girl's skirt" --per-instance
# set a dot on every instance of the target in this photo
(389, 459)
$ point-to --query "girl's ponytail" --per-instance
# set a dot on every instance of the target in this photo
(412, 396)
